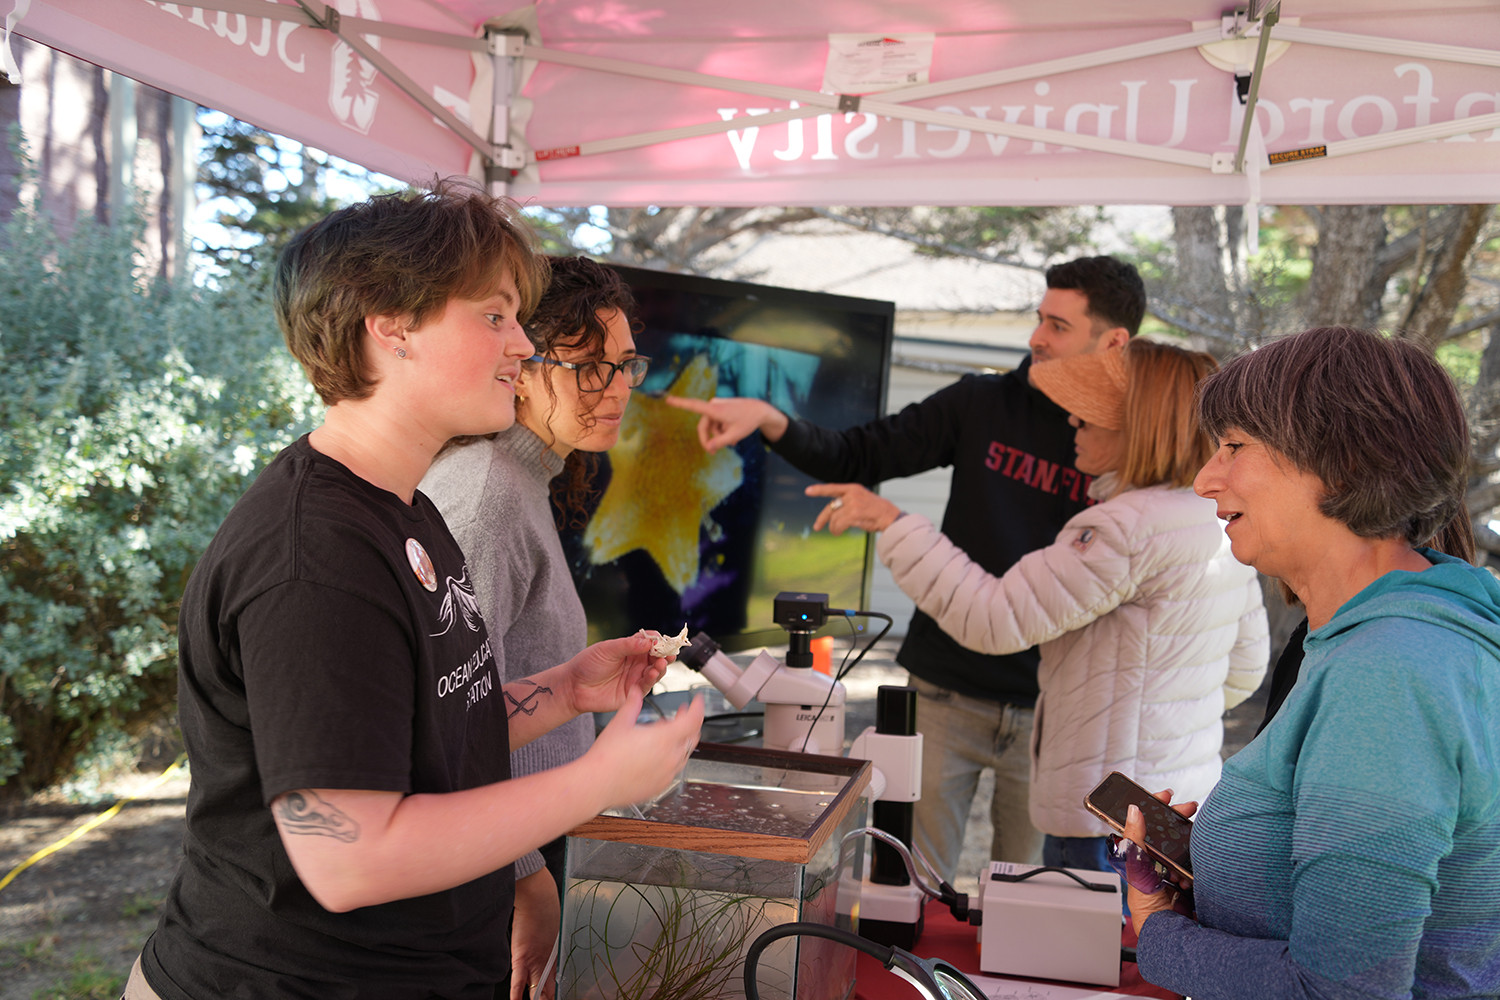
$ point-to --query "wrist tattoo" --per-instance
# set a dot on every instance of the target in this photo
(306, 814)
(528, 702)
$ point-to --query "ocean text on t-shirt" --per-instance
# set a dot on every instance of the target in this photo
(1038, 473)
(474, 677)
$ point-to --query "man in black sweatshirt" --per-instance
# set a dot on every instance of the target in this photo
(1014, 486)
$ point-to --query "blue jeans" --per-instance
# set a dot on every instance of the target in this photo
(1088, 853)
(961, 736)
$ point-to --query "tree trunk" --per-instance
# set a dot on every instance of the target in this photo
(1342, 291)
(1197, 297)
(1200, 269)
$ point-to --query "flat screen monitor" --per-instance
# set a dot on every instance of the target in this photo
(677, 536)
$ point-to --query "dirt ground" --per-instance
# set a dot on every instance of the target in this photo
(72, 924)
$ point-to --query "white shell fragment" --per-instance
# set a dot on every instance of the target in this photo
(667, 646)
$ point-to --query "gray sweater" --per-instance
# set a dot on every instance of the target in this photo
(495, 497)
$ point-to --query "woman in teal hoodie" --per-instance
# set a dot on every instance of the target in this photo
(1353, 849)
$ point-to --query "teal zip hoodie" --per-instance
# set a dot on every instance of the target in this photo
(1353, 849)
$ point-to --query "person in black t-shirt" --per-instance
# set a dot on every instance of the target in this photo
(350, 827)
(1014, 486)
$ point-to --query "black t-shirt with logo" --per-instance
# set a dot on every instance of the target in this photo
(329, 638)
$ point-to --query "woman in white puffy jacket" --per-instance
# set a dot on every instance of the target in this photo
(1149, 627)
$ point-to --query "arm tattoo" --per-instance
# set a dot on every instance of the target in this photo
(306, 814)
(529, 702)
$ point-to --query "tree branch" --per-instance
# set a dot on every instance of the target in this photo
(1470, 325)
(1433, 306)
(1400, 251)
(1207, 324)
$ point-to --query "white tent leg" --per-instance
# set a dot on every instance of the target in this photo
(506, 46)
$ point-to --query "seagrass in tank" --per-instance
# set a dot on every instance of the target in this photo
(663, 906)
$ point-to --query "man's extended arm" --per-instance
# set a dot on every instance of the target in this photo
(728, 420)
(922, 436)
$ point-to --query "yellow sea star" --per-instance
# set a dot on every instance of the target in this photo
(663, 484)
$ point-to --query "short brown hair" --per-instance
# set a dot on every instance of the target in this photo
(1375, 418)
(1113, 287)
(1163, 441)
(402, 254)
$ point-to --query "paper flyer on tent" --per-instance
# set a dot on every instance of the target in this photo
(867, 63)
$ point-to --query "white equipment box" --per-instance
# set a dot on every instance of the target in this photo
(1049, 926)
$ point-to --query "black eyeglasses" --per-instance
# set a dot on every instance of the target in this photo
(595, 376)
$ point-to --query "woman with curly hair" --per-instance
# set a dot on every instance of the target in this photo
(497, 494)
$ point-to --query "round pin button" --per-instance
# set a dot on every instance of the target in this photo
(421, 564)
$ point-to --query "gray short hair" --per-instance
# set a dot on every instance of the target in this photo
(1375, 418)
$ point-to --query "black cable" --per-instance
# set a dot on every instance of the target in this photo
(847, 665)
(889, 622)
(1094, 886)
(732, 715)
(880, 952)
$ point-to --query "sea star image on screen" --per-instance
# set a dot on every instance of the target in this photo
(663, 484)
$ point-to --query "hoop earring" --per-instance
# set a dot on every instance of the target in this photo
(401, 353)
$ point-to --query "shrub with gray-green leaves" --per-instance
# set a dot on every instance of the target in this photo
(134, 414)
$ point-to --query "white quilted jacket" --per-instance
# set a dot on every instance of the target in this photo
(1149, 630)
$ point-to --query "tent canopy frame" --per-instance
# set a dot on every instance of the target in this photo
(504, 152)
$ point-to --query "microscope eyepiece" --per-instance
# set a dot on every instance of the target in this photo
(698, 652)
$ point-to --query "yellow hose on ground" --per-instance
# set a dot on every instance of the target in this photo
(103, 817)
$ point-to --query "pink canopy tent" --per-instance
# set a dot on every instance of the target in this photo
(784, 102)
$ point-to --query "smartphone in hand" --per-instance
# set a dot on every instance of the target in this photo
(1168, 832)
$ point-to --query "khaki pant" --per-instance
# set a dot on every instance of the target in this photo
(136, 987)
(961, 736)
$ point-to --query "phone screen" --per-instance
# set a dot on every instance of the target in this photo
(1167, 831)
